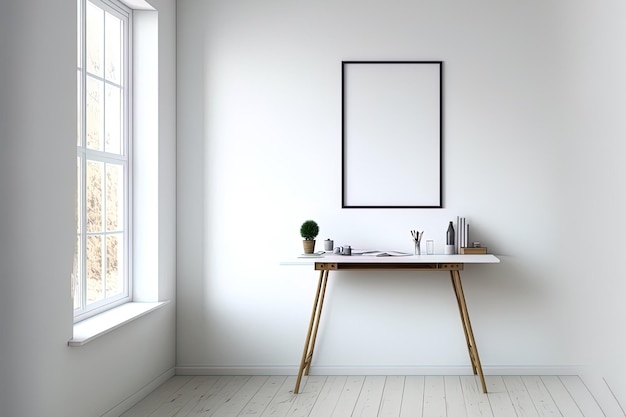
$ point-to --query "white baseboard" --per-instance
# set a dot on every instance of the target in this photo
(236, 370)
(377, 370)
(133, 399)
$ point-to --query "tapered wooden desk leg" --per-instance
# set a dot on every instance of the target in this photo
(467, 327)
(317, 323)
(467, 338)
(309, 344)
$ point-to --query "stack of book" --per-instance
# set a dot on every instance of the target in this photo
(464, 245)
(473, 251)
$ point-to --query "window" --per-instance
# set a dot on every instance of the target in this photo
(103, 158)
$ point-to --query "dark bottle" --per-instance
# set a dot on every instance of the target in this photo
(450, 235)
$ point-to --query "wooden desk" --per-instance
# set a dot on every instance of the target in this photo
(449, 263)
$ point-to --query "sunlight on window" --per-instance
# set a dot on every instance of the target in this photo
(103, 220)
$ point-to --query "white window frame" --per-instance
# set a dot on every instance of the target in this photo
(82, 309)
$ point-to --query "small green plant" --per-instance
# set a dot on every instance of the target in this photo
(309, 230)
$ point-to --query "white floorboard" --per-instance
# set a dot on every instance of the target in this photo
(369, 396)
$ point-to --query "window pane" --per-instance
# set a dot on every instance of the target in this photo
(95, 113)
(113, 120)
(79, 186)
(115, 197)
(115, 264)
(113, 48)
(76, 291)
(93, 196)
(103, 166)
(95, 39)
(94, 269)
(78, 252)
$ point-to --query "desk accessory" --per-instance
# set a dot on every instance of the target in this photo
(345, 250)
(312, 255)
(430, 247)
(417, 239)
(450, 238)
(474, 251)
(463, 230)
(309, 231)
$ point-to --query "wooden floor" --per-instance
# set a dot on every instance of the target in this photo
(375, 396)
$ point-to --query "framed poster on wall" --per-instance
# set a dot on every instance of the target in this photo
(392, 134)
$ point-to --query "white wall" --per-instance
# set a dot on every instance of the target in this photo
(39, 373)
(534, 101)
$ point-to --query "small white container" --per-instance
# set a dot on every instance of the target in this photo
(430, 247)
(448, 250)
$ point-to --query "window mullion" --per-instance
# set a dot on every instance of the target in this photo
(104, 230)
(95, 155)
(83, 159)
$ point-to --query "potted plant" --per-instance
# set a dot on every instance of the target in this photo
(309, 231)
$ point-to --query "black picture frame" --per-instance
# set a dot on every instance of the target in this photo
(392, 134)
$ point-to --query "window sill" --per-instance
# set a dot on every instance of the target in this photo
(94, 327)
